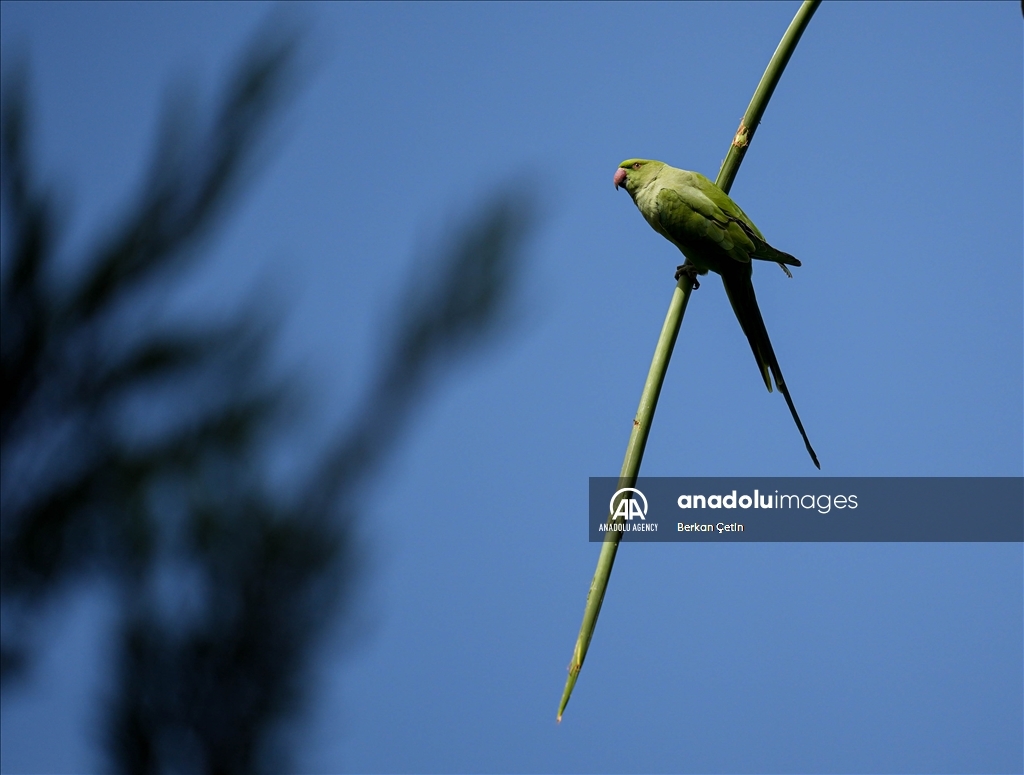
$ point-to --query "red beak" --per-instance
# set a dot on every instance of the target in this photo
(620, 178)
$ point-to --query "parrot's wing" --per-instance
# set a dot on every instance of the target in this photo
(766, 252)
(693, 220)
(720, 206)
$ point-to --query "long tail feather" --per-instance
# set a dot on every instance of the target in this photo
(740, 291)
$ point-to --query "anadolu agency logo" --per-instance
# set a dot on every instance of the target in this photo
(631, 503)
(628, 507)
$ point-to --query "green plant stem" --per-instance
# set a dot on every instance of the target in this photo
(666, 342)
(763, 93)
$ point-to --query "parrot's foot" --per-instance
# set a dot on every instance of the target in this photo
(688, 270)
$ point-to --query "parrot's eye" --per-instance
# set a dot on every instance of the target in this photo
(636, 165)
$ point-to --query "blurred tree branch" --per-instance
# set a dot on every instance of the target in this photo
(224, 586)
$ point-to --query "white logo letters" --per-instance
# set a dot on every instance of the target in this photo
(628, 507)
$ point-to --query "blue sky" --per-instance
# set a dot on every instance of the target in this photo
(890, 162)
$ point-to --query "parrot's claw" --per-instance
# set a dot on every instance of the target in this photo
(689, 270)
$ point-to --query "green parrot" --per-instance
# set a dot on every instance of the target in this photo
(714, 234)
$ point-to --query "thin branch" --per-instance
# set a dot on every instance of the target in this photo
(666, 342)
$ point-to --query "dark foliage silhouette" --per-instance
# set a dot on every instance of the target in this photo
(223, 585)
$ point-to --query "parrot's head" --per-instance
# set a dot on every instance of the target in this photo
(634, 174)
